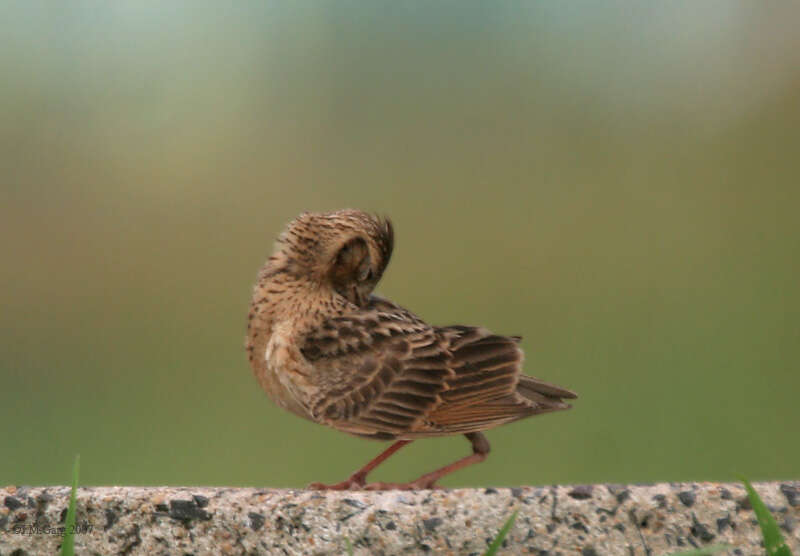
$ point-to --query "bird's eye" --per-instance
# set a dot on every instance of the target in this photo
(365, 274)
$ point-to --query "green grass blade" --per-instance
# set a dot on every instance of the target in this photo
(349, 546)
(705, 551)
(68, 545)
(501, 534)
(773, 540)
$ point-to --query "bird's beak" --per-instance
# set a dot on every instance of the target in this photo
(359, 299)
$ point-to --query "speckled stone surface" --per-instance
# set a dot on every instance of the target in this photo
(586, 520)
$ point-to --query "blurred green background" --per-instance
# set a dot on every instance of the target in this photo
(618, 183)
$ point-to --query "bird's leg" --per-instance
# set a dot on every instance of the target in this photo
(358, 479)
(480, 448)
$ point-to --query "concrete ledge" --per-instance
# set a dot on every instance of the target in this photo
(586, 520)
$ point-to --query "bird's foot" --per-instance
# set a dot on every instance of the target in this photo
(425, 482)
(356, 481)
(419, 484)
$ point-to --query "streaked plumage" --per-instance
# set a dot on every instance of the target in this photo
(324, 347)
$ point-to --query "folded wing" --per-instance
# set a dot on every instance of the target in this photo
(384, 373)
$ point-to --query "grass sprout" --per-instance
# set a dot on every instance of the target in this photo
(501, 535)
(773, 540)
(68, 545)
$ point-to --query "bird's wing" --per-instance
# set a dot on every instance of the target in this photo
(488, 387)
(378, 370)
(385, 373)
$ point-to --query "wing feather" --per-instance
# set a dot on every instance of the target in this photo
(383, 372)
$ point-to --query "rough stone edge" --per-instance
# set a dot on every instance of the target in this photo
(583, 519)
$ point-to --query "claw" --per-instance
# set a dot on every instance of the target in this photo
(413, 485)
(355, 482)
(351, 484)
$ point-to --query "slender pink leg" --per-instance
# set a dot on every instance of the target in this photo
(359, 478)
(480, 448)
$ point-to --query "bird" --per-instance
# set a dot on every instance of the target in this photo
(323, 346)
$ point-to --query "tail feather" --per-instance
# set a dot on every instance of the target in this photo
(543, 392)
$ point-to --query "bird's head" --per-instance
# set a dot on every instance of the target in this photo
(347, 250)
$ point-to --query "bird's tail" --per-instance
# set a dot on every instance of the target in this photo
(544, 393)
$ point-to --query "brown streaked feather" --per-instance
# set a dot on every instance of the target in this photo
(385, 373)
(489, 388)
(378, 377)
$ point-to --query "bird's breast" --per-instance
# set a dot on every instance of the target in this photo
(285, 376)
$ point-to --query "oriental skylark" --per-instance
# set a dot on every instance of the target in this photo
(324, 347)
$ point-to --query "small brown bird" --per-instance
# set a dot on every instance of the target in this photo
(324, 347)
